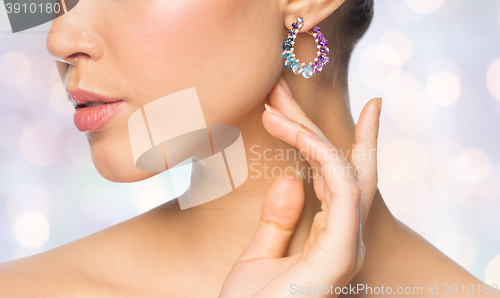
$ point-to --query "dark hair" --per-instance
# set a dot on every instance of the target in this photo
(345, 27)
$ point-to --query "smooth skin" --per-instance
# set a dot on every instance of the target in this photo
(230, 51)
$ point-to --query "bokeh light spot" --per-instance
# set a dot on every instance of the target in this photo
(424, 6)
(493, 79)
(473, 165)
(42, 143)
(443, 88)
(16, 69)
(492, 275)
(379, 66)
(489, 187)
(409, 109)
(32, 229)
(400, 42)
(405, 160)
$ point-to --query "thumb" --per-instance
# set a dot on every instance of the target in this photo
(280, 214)
(364, 152)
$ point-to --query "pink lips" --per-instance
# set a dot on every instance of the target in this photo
(90, 118)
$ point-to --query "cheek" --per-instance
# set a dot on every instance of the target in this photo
(230, 50)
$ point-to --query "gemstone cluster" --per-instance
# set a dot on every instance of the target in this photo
(307, 70)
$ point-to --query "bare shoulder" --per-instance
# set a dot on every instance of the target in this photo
(39, 275)
(114, 262)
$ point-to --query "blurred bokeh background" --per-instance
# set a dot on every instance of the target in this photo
(436, 64)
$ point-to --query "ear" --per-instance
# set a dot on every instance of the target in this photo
(312, 11)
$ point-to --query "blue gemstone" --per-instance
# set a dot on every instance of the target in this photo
(289, 39)
(287, 46)
(297, 68)
(300, 20)
(307, 72)
(287, 54)
(290, 61)
(291, 32)
(295, 26)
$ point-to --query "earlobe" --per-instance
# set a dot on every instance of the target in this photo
(313, 11)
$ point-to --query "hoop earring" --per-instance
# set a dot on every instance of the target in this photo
(321, 59)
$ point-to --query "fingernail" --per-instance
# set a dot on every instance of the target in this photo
(307, 131)
(294, 173)
(285, 85)
(273, 110)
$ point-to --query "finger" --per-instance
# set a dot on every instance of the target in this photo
(343, 218)
(286, 129)
(318, 224)
(282, 208)
(281, 127)
(282, 100)
(319, 188)
(364, 152)
(285, 105)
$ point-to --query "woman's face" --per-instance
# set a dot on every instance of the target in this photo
(139, 51)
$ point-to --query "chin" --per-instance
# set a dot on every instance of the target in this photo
(121, 174)
(113, 160)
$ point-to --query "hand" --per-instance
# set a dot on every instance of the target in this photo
(334, 251)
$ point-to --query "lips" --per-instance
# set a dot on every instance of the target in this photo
(92, 110)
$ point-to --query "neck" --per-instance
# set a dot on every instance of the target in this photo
(213, 235)
(235, 216)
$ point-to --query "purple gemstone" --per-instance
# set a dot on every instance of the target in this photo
(325, 61)
(324, 51)
(316, 29)
(321, 59)
(323, 42)
(295, 26)
(317, 68)
(320, 36)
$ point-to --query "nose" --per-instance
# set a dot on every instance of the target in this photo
(74, 38)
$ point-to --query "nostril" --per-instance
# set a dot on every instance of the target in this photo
(77, 55)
